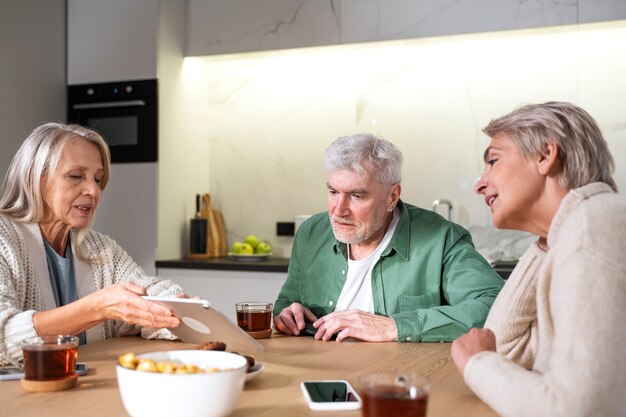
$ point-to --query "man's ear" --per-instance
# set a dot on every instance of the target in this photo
(396, 189)
(548, 160)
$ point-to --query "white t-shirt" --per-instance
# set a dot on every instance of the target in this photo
(357, 291)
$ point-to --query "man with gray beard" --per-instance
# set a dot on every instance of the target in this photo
(377, 269)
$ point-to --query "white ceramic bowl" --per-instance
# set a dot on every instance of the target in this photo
(148, 394)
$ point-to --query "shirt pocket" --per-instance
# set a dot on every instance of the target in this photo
(414, 302)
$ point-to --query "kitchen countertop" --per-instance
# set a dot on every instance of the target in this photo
(272, 264)
(504, 269)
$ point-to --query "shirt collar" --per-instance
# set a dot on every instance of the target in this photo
(400, 242)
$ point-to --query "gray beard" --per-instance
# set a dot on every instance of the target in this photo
(360, 235)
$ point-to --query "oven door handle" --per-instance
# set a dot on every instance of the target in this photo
(109, 104)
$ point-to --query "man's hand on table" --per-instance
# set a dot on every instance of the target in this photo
(356, 324)
(291, 321)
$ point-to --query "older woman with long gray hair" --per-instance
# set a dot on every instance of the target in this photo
(57, 276)
(558, 326)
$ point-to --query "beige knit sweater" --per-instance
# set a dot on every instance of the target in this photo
(25, 283)
(513, 316)
(580, 339)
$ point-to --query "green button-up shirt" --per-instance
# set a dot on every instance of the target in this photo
(429, 279)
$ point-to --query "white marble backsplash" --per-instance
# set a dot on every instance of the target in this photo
(268, 117)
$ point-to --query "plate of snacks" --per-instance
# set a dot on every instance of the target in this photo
(253, 369)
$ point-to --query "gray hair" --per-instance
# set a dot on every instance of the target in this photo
(583, 153)
(363, 152)
(38, 156)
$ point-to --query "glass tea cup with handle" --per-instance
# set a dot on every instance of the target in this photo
(394, 394)
(49, 363)
(255, 317)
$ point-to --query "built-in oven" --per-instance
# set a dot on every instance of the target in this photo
(125, 113)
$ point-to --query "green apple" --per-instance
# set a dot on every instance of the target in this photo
(252, 240)
(236, 248)
(262, 248)
(246, 249)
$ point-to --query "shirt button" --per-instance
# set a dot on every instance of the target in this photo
(343, 272)
(330, 303)
(408, 339)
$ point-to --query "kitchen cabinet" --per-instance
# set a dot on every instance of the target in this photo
(232, 26)
(111, 40)
(108, 41)
(371, 20)
(227, 26)
(224, 288)
(120, 40)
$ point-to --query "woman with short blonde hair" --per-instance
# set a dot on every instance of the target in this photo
(558, 324)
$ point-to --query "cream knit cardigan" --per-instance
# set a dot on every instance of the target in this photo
(513, 315)
(577, 345)
(25, 283)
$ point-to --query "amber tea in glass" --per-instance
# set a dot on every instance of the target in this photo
(394, 395)
(254, 316)
(50, 357)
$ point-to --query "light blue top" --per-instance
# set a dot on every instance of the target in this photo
(63, 278)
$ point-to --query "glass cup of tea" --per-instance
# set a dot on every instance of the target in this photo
(49, 358)
(393, 394)
(255, 317)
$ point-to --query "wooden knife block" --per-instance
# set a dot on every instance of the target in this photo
(217, 244)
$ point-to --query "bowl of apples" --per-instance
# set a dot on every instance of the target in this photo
(251, 249)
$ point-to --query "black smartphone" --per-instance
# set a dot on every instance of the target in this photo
(330, 395)
(309, 330)
(11, 373)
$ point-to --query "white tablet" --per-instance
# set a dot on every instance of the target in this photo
(202, 322)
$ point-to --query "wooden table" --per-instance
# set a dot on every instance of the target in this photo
(273, 393)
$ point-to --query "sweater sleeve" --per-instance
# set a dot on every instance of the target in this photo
(126, 269)
(16, 328)
(513, 316)
(154, 287)
(503, 385)
(119, 267)
(18, 294)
